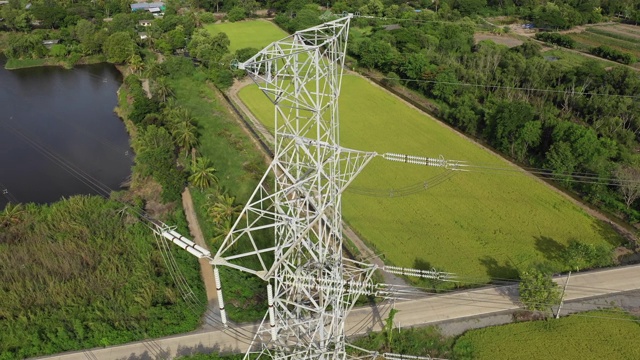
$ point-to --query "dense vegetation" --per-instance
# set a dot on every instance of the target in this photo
(613, 54)
(85, 272)
(556, 38)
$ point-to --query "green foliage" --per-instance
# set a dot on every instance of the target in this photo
(613, 54)
(82, 273)
(580, 256)
(119, 47)
(236, 14)
(538, 291)
(155, 157)
(556, 38)
(207, 18)
(202, 173)
(222, 78)
(427, 341)
(207, 48)
(25, 45)
(177, 67)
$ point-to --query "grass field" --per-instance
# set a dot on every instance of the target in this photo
(477, 224)
(594, 336)
(625, 38)
(255, 33)
(568, 59)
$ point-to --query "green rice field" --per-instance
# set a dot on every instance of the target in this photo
(478, 224)
(593, 335)
(254, 33)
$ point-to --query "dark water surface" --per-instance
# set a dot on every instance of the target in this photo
(58, 133)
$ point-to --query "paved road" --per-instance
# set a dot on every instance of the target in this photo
(426, 310)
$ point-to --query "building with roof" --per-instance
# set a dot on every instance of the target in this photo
(156, 6)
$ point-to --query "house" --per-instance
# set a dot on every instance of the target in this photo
(49, 43)
(143, 35)
(392, 27)
(4, 2)
(145, 23)
(156, 6)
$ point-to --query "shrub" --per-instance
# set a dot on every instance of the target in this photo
(236, 14)
(558, 39)
(606, 52)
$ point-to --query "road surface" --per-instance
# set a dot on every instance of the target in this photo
(423, 311)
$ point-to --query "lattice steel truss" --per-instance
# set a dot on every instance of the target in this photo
(290, 232)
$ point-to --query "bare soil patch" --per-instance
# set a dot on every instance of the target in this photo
(498, 39)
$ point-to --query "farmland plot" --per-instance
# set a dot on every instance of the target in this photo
(477, 224)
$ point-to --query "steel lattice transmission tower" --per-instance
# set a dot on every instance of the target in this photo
(290, 232)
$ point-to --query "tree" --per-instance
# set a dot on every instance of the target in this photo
(58, 51)
(236, 14)
(202, 173)
(185, 135)
(538, 292)
(162, 89)
(579, 255)
(512, 129)
(119, 47)
(222, 207)
(629, 179)
(135, 64)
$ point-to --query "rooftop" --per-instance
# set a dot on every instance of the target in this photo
(145, 6)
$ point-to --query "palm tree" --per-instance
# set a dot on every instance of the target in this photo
(222, 207)
(12, 214)
(135, 63)
(202, 173)
(162, 89)
(181, 114)
(222, 230)
(185, 135)
(154, 71)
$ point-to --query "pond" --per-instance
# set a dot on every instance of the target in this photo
(59, 135)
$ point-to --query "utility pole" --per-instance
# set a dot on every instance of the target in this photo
(564, 289)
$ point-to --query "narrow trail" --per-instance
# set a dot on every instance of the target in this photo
(206, 270)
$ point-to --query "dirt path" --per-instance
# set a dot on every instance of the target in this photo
(206, 270)
(146, 87)
(365, 252)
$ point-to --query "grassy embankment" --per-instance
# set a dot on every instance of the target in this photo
(254, 33)
(13, 64)
(239, 166)
(496, 221)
